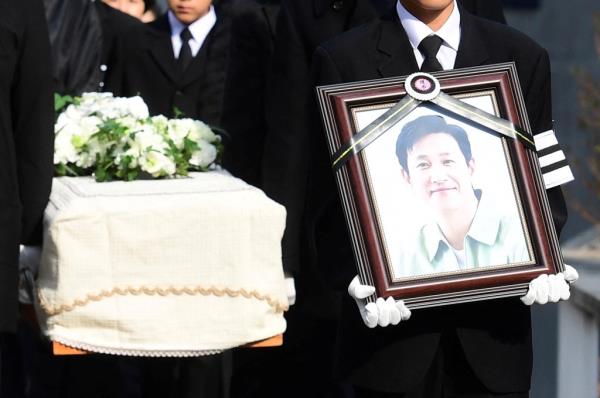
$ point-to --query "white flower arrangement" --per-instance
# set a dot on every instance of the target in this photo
(116, 139)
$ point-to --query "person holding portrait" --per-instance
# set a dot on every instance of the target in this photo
(476, 349)
(467, 229)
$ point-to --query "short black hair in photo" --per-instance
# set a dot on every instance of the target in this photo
(430, 124)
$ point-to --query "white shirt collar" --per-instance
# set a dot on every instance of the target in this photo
(199, 29)
(417, 30)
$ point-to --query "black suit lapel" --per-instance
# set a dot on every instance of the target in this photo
(161, 48)
(472, 51)
(396, 54)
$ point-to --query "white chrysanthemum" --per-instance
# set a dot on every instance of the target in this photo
(134, 155)
(89, 126)
(204, 132)
(86, 160)
(157, 164)
(130, 122)
(161, 123)
(93, 149)
(95, 97)
(178, 129)
(204, 156)
(147, 138)
(95, 103)
(144, 141)
(62, 121)
(137, 108)
(64, 150)
(73, 113)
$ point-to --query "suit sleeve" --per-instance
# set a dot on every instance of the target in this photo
(539, 105)
(285, 159)
(118, 53)
(115, 63)
(33, 113)
(324, 69)
(243, 114)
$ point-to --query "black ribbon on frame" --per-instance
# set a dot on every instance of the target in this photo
(415, 97)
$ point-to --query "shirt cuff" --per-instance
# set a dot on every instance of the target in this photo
(554, 165)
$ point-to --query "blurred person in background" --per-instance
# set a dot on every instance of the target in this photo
(252, 40)
(83, 36)
(177, 64)
(26, 154)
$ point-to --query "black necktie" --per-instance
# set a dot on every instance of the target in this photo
(429, 47)
(185, 55)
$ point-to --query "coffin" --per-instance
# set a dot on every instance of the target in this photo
(180, 267)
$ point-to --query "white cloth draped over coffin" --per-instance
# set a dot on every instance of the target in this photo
(177, 267)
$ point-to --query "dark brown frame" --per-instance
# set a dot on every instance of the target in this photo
(337, 102)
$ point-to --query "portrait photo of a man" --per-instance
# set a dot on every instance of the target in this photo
(448, 204)
(467, 230)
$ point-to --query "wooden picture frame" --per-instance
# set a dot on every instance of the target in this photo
(399, 226)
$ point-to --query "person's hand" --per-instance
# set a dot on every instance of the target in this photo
(29, 263)
(382, 312)
(551, 288)
(29, 258)
(290, 289)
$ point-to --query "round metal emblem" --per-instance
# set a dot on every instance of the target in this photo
(422, 86)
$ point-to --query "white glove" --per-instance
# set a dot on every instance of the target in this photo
(382, 312)
(29, 263)
(29, 258)
(290, 289)
(551, 288)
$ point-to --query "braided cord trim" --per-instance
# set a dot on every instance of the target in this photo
(153, 291)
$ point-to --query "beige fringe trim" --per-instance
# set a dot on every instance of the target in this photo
(152, 291)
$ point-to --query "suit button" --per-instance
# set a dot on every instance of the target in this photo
(178, 93)
(338, 5)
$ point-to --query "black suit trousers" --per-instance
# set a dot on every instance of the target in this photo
(11, 380)
(450, 376)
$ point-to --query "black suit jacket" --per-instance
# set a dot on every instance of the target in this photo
(253, 32)
(303, 25)
(495, 335)
(145, 66)
(83, 35)
(27, 136)
(114, 25)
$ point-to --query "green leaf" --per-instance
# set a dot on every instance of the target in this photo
(61, 101)
(178, 113)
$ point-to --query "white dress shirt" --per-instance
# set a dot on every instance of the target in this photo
(199, 30)
(417, 31)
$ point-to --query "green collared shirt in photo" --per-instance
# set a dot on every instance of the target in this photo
(494, 239)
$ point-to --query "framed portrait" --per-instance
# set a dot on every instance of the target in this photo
(441, 185)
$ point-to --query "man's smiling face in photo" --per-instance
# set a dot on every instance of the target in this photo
(439, 173)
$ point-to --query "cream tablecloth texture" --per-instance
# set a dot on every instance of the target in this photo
(177, 267)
